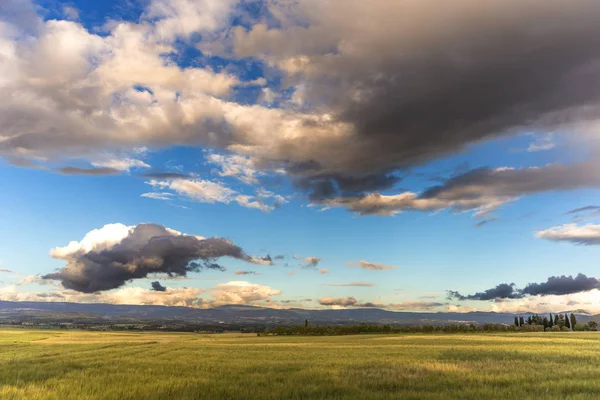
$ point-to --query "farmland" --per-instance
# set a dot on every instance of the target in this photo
(38, 364)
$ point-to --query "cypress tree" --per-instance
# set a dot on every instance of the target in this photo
(567, 322)
(573, 321)
(305, 323)
(556, 319)
(529, 320)
(545, 322)
(516, 321)
(550, 321)
(521, 321)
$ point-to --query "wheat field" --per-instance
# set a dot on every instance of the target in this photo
(37, 364)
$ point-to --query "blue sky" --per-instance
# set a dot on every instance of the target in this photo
(277, 135)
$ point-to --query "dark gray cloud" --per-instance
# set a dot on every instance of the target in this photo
(92, 171)
(502, 291)
(583, 209)
(426, 81)
(164, 175)
(559, 285)
(555, 285)
(482, 189)
(5, 270)
(146, 249)
(157, 287)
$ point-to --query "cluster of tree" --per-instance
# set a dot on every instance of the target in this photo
(335, 330)
(557, 322)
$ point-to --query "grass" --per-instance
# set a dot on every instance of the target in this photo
(98, 365)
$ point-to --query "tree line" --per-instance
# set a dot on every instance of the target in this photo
(533, 323)
(558, 322)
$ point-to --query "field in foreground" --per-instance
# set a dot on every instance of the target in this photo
(90, 365)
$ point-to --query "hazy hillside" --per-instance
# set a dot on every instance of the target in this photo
(239, 314)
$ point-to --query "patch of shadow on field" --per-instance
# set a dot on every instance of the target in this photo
(483, 355)
(386, 378)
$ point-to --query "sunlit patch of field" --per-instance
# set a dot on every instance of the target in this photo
(117, 365)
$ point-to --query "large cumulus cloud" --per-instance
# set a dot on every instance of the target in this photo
(377, 86)
(107, 258)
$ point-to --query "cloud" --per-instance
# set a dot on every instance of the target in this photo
(482, 190)
(120, 164)
(362, 93)
(572, 233)
(371, 266)
(310, 261)
(156, 286)
(415, 305)
(541, 143)
(559, 285)
(182, 297)
(89, 171)
(583, 209)
(240, 272)
(502, 291)
(240, 167)
(343, 302)
(158, 195)
(554, 285)
(356, 284)
(241, 292)
(34, 279)
(164, 175)
(107, 258)
(323, 271)
(205, 191)
(5, 270)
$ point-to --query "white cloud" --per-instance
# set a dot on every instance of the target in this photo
(203, 191)
(121, 164)
(579, 234)
(237, 166)
(541, 144)
(242, 292)
(158, 195)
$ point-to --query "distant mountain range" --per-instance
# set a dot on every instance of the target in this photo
(244, 315)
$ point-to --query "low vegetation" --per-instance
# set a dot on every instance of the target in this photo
(68, 364)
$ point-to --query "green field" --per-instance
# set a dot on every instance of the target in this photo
(90, 365)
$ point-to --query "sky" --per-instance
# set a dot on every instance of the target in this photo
(407, 155)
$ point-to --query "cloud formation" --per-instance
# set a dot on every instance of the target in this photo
(156, 286)
(482, 190)
(342, 302)
(107, 258)
(371, 266)
(356, 97)
(572, 233)
(554, 285)
(241, 292)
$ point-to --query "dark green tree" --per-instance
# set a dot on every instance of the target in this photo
(521, 321)
(573, 320)
(516, 321)
(567, 322)
(305, 323)
(545, 323)
(550, 321)
(529, 320)
(556, 320)
(593, 325)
